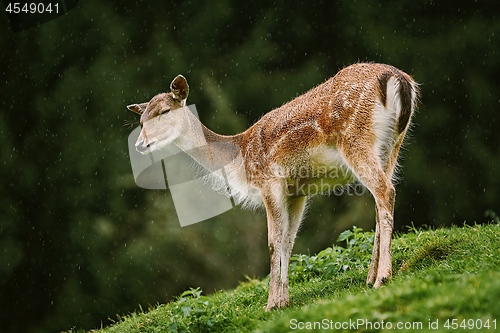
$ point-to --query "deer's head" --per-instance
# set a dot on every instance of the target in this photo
(161, 124)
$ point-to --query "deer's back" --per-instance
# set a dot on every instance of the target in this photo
(324, 116)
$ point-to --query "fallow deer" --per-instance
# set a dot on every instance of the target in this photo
(355, 121)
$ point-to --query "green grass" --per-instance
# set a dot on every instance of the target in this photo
(445, 277)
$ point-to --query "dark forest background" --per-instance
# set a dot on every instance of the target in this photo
(80, 242)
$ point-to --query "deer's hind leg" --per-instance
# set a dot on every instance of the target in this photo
(364, 163)
(388, 168)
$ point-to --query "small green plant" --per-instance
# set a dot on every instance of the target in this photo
(192, 301)
(335, 259)
(186, 313)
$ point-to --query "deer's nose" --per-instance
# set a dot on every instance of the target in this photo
(142, 146)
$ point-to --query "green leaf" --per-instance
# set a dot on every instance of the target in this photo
(365, 246)
(344, 235)
(186, 310)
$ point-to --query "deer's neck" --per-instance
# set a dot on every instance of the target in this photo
(221, 156)
(206, 147)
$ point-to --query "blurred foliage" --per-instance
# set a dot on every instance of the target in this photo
(81, 243)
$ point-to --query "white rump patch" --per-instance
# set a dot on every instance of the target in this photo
(385, 119)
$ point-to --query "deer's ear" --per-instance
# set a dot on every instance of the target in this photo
(138, 108)
(180, 88)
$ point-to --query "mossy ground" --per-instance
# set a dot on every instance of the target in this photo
(447, 279)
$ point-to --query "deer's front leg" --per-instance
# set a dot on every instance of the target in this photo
(372, 273)
(274, 281)
(277, 216)
(295, 212)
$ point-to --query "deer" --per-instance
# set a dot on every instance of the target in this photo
(355, 121)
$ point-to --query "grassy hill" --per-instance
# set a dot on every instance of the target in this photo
(444, 280)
